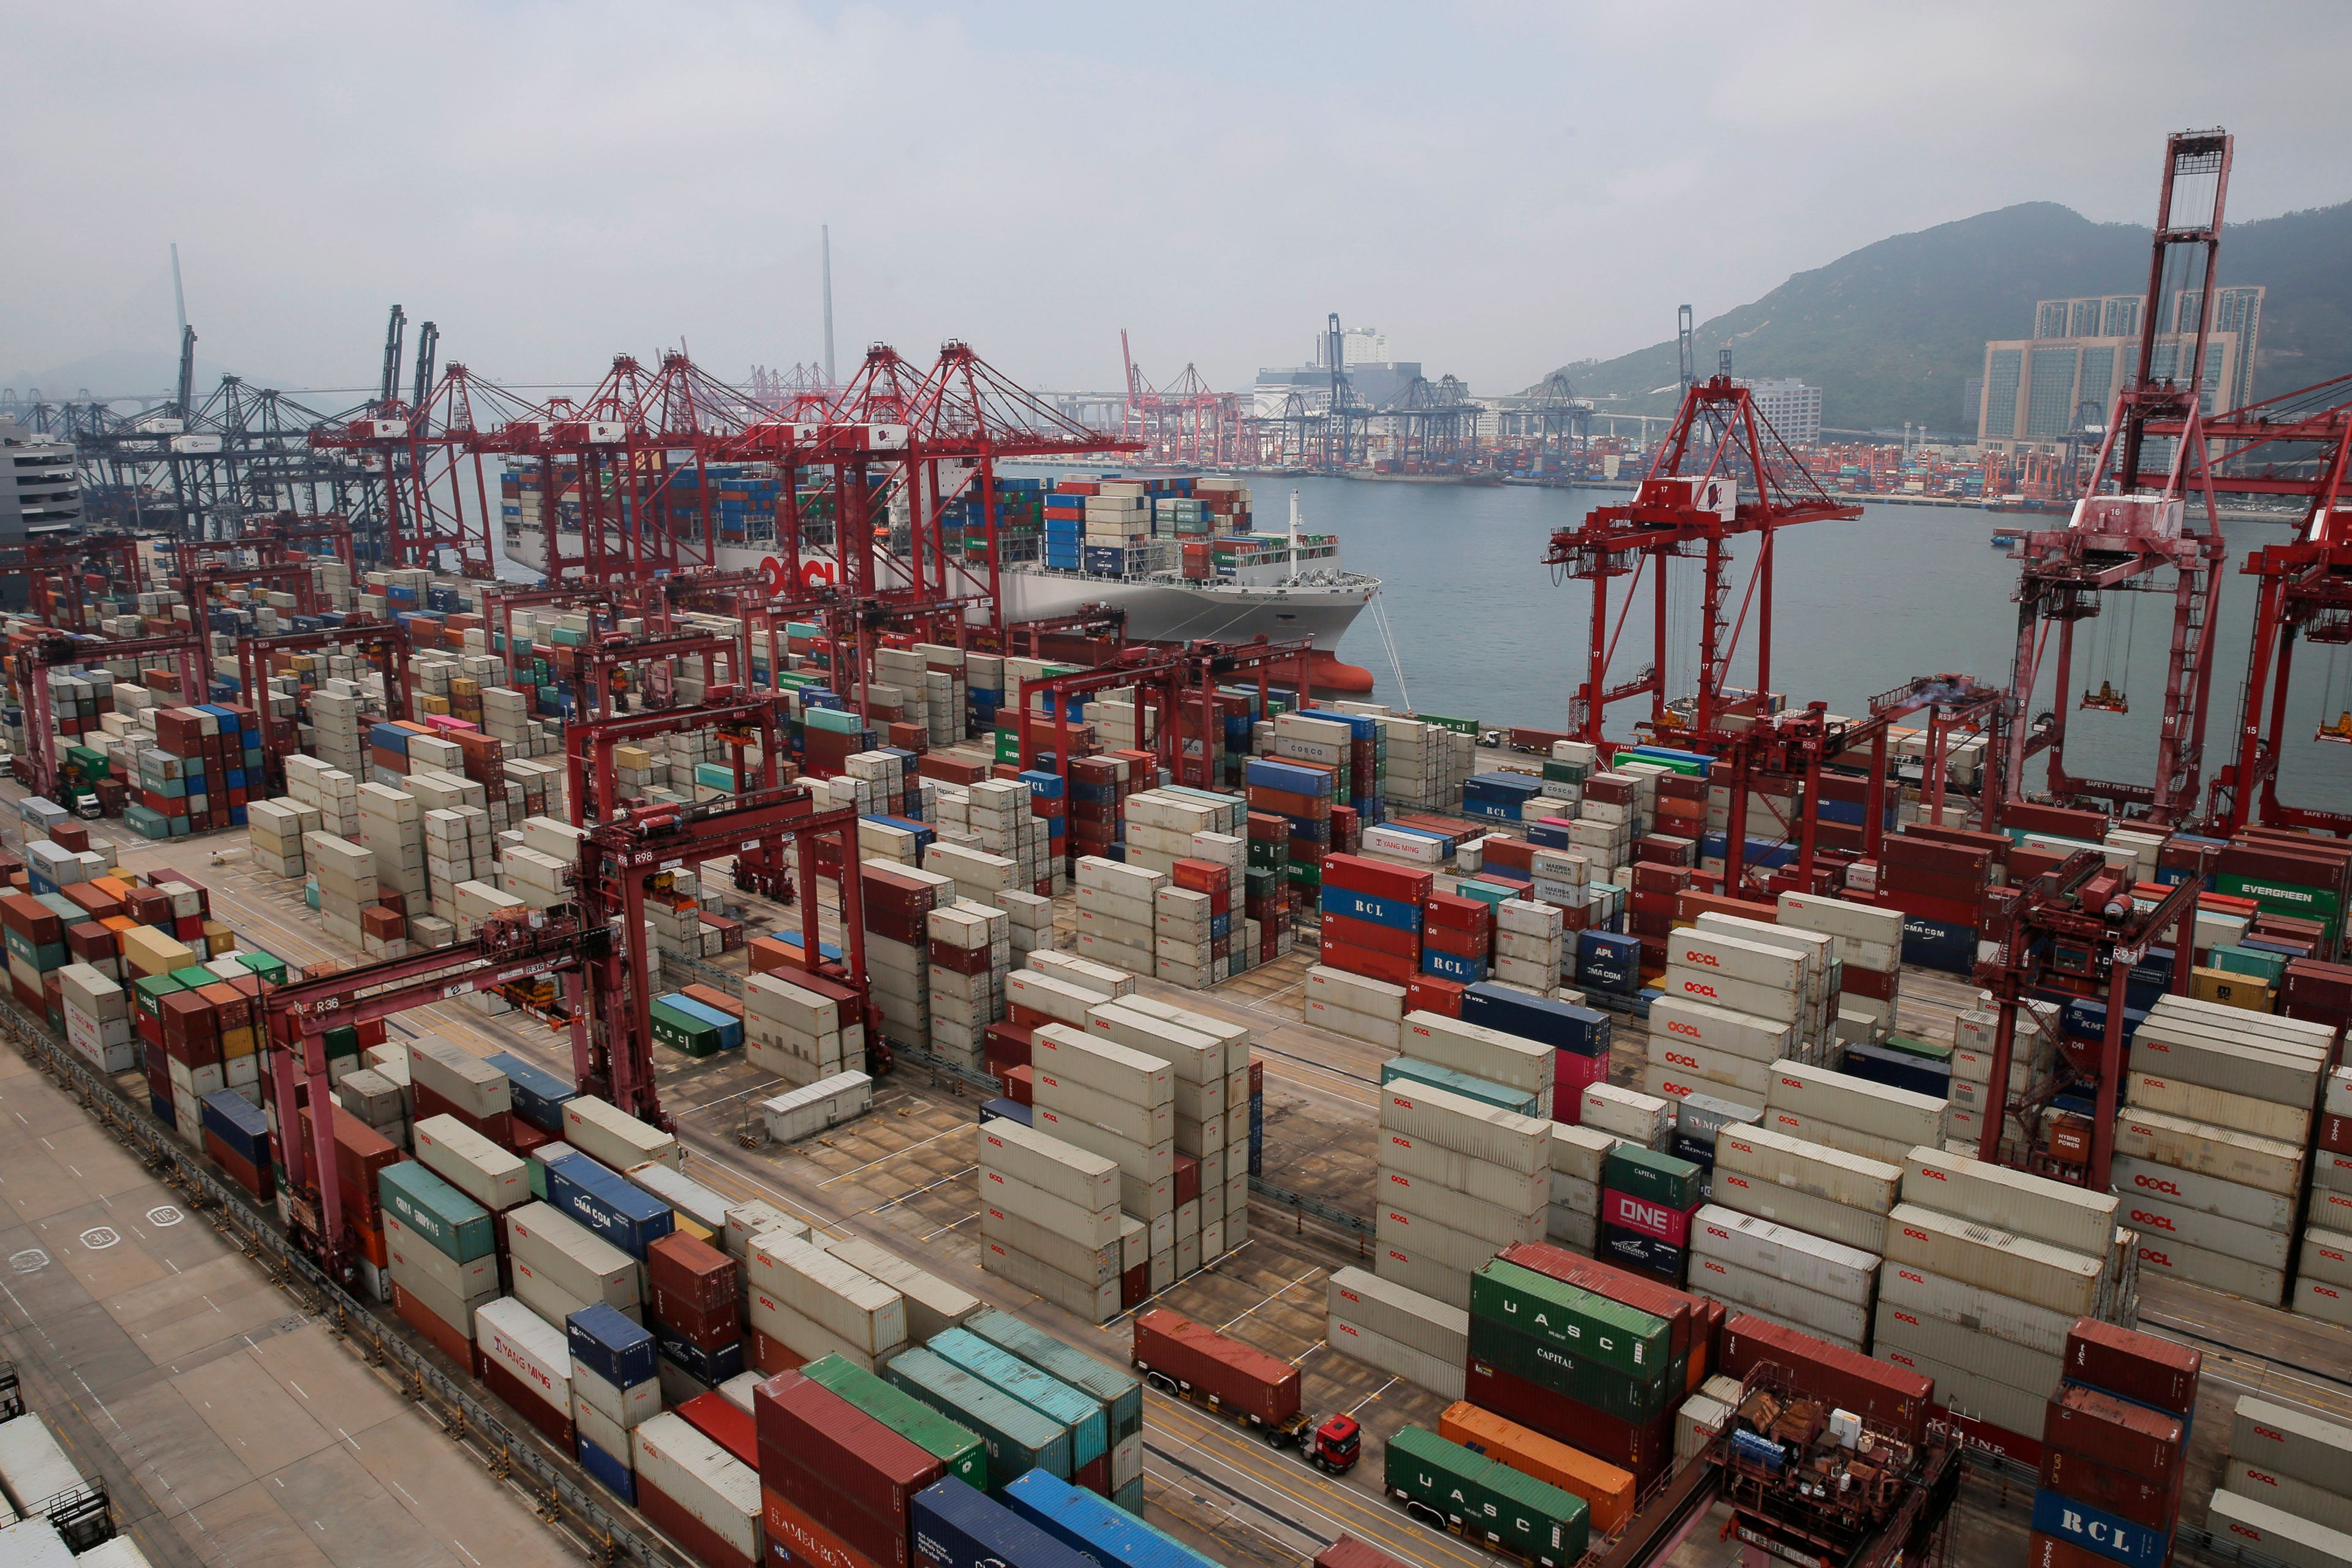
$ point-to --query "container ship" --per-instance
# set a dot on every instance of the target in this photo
(1176, 553)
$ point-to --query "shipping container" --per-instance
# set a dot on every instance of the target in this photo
(1018, 1439)
(2277, 1534)
(1607, 1490)
(697, 1492)
(1388, 1309)
(1897, 1402)
(1121, 1394)
(955, 1446)
(1081, 1417)
(2009, 1265)
(1248, 1384)
(1589, 1326)
(956, 1527)
(841, 1467)
(1098, 1532)
(1486, 1500)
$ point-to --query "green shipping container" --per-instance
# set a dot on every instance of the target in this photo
(958, 1448)
(2270, 966)
(1119, 1391)
(1487, 1500)
(1501, 1096)
(1925, 1050)
(1082, 1417)
(684, 1032)
(1592, 1327)
(1018, 1439)
(445, 1218)
(1648, 1174)
(1459, 726)
(196, 977)
(272, 970)
(1621, 1398)
(150, 990)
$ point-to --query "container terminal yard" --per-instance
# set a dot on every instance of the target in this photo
(684, 1063)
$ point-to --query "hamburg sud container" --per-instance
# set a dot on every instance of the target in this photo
(956, 1527)
(1249, 1384)
(1485, 1499)
(955, 1446)
(830, 1473)
(1099, 1531)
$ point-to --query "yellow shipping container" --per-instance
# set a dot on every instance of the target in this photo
(1607, 1490)
(149, 951)
(2251, 991)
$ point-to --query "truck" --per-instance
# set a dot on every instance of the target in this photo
(1193, 1362)
(1451, 1487)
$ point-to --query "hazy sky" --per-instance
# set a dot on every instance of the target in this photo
(1500, 188)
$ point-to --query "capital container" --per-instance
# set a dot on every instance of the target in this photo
(1619, 1395)
(1018, 1439)
(1589, 1326)
(1692, 1321)
(1121, 1394)
(1487, 1500)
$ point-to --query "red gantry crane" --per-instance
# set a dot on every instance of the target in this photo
(2131, 526)
(1720, 474)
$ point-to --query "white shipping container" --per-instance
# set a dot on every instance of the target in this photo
(1098, 1062)
(1056, 1100)
(1089, 1264)
(1906, 1292)
(1999, 1260)
(1741, 1035)
(1845, 1322)
(573, 1257)
(615, 1138)
(839, 1298)
(1393, 1261)
(1638, 1118)
(514, 1337)
(933, 1305)
(622, 1407)
(2276, 1534)
(1836, 917)
(1830, 1268)
(461, 1077)
(2176, 1097)
(1093, 1303)
(2158, 1222)
(1712, 951)
(2035, 1372)
(1580, 1152)
(1578, 1229)
(1459, 1211)
(1965, 1392)
(1442, 1377)
(1355, 993)
(1088, 1181)
(2293, 1443)
(1235, 1036)
(1371, 1028)
(1776, 1158)
(1047, 1209)
(1697, 1422)
(1423, 1235)
(2225, 1057)
(2214, 1271)
(1517, 1192)
(468, 1281)
(2063, 1216)
(1387, 1307)
(805, 1112)
(710, 1485)
(686, 1195)
(1196, 1058)
(1859, 1228)
(1841, 1099)
(1706, 987)
(2331, 1510)
(758, 1218)
(1678, 1071)
(1467, 1126)
(2210, 1151)
(1482, 1053)
(2335, 1098)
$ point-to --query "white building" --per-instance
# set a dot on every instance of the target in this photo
(1791, 407)
(38, 491)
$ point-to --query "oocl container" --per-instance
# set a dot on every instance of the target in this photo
(2010, 1265)
(2063, 1216)
(854, 1307)
(694, 1491)
(1519, 1192)
(1744, 1035)
(1452, 1122)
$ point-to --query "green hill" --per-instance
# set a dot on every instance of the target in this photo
(1893, 332)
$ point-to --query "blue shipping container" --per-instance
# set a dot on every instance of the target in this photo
(611, 1345)
(1932, 944)
(713, 1367)
(1560, 1025)
(1081, 1417)
(1006, 1111)
(613, 1474)
(2095, 1529)
(1453, 966)
(1093, 1526)
(537, 1094)
(625, 1216)
(240, 1125)
(955, 1527)
(1634, 1250)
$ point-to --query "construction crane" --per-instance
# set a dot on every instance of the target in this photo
(2130, 525)
(1720, 474)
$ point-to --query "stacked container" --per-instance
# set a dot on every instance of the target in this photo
(2114, 1442)
(1400, 1332)
(1355, 1004)
(799, 1029)
(1577, 1366)
(1208, 1060)
(1372, 917)
(1647, 1202)
(1869, 953)
(696, 1492)
(2211, 1148)
(1121, 1394)
(2323, 1286)
(1092, 1092)
(835, 1485)
(898, 904)
(1050, 1220)
(1606, 1490)
(1577, 1037)
(1987, 1271)
(2291, 1464)
(1809, 1187)
(1974, 1034)
(1116, 912)
(1459, 1180)
(1578, 1155)
(970, 953)
(527, 1361)
(696, 1306)
(1875, 1121)
(1806, 1282)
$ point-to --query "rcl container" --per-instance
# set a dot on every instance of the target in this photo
(1249, 1382)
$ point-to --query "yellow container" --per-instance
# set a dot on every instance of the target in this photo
(2251, 991)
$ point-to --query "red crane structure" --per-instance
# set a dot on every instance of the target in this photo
(2131, 526)
(2306, 596)
(430, 453)
(1720, 473)
(1185, 422)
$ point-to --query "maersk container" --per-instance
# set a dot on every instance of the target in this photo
(2072, 1217)
(1120, 1393)
(1778, 1160)
(1081, 1417)
(1485, 1499)
(2000, 1261)
(1018, 1439)
(956, 1446)
(438, 1213)
(1097, 1529)
(2209, 1151)
(1587, 1325)
(954, 1526)
(1453, 1122)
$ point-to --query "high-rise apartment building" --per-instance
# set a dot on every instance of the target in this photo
(2083, 349)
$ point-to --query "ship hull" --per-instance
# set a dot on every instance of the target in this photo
(1156, 611)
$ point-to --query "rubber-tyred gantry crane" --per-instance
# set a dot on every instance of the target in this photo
(2131, 525)
(1721, 473)
(280, 738)
(32, 661)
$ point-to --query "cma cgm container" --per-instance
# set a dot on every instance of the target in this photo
(1249, 1383)
(1485, 1499)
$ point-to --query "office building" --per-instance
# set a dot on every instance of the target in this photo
(2036, 389)
(39, 493)
(1791, 407)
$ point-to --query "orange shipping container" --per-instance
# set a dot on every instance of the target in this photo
(1607, 1490)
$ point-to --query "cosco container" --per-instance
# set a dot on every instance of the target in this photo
(1487, 1500)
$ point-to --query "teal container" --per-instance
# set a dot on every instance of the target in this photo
(1082, 1418)
(1429, 1074)
(1018, 1439)
(452, 1223)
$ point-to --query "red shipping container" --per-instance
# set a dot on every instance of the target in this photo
(1248, 1383)
(853, 1475)
(2116, 1433)
(1644, 1218)
(2049, 1551)
(442, 1336)
(725, 1423)
(554, 1424)
(1356, 875)
(797, 1540)
(1460, 944)
(1449, 911)
(1896, 1400)
(1428, 994)
(1009, 1043)
(1188, 1179)
(1877, 987)
(770, 1356)
(1135, 1284)
(1021, 1085)
(2134, 1366)
(1350, 1553)
(1374, 938)
(2119, 1492)
(1364, 960)
(1643, 1450)
(1994, 1440)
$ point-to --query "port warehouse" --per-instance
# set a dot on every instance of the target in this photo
(1676, 1174)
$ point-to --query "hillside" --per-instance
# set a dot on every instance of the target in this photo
(1891, 332)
